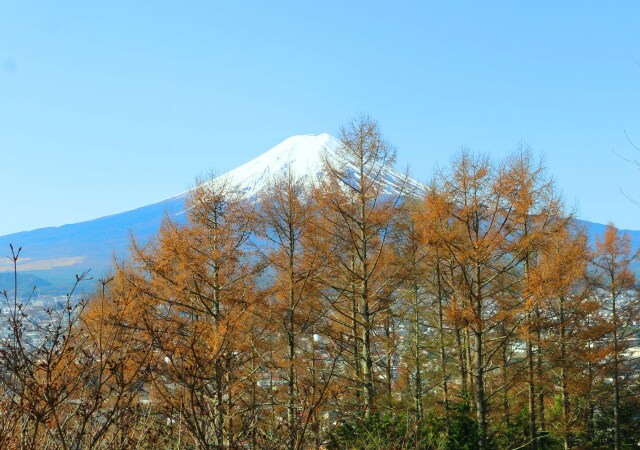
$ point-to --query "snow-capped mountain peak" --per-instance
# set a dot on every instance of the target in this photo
(302, 154)
(70, 249)
(91, 244)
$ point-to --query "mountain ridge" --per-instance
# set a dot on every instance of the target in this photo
(63, 251)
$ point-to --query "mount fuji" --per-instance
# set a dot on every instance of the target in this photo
(52, 256)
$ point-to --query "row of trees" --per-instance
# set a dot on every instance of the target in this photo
(360, 311)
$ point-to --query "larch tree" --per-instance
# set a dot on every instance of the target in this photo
(359, 210)
(560, 281)
(482, 244)
(441, 317)
(286, 243)
(415, 301)
(612, 259)
(536, 214)
(198, 282)
(121, 369)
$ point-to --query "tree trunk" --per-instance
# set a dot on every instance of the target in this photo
(481, 410)
(417, 393)
(505, 380)
(563, 378)
(481, 405)
(443, 353)
(389, 357)
(367, 361)
(291, 382)
(540, 371)
(616, 370)
(533, 435)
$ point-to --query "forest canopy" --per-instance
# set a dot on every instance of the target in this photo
(344, 313)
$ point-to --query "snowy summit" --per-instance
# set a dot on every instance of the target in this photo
(92, 243)
(302, 154)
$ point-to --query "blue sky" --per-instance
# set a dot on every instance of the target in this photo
(107, 106)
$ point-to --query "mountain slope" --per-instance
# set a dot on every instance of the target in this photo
(56, 254)
(70, 249)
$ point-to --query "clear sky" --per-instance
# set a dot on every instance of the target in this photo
(107, 106)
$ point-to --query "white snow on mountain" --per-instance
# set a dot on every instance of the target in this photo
(303, 155)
